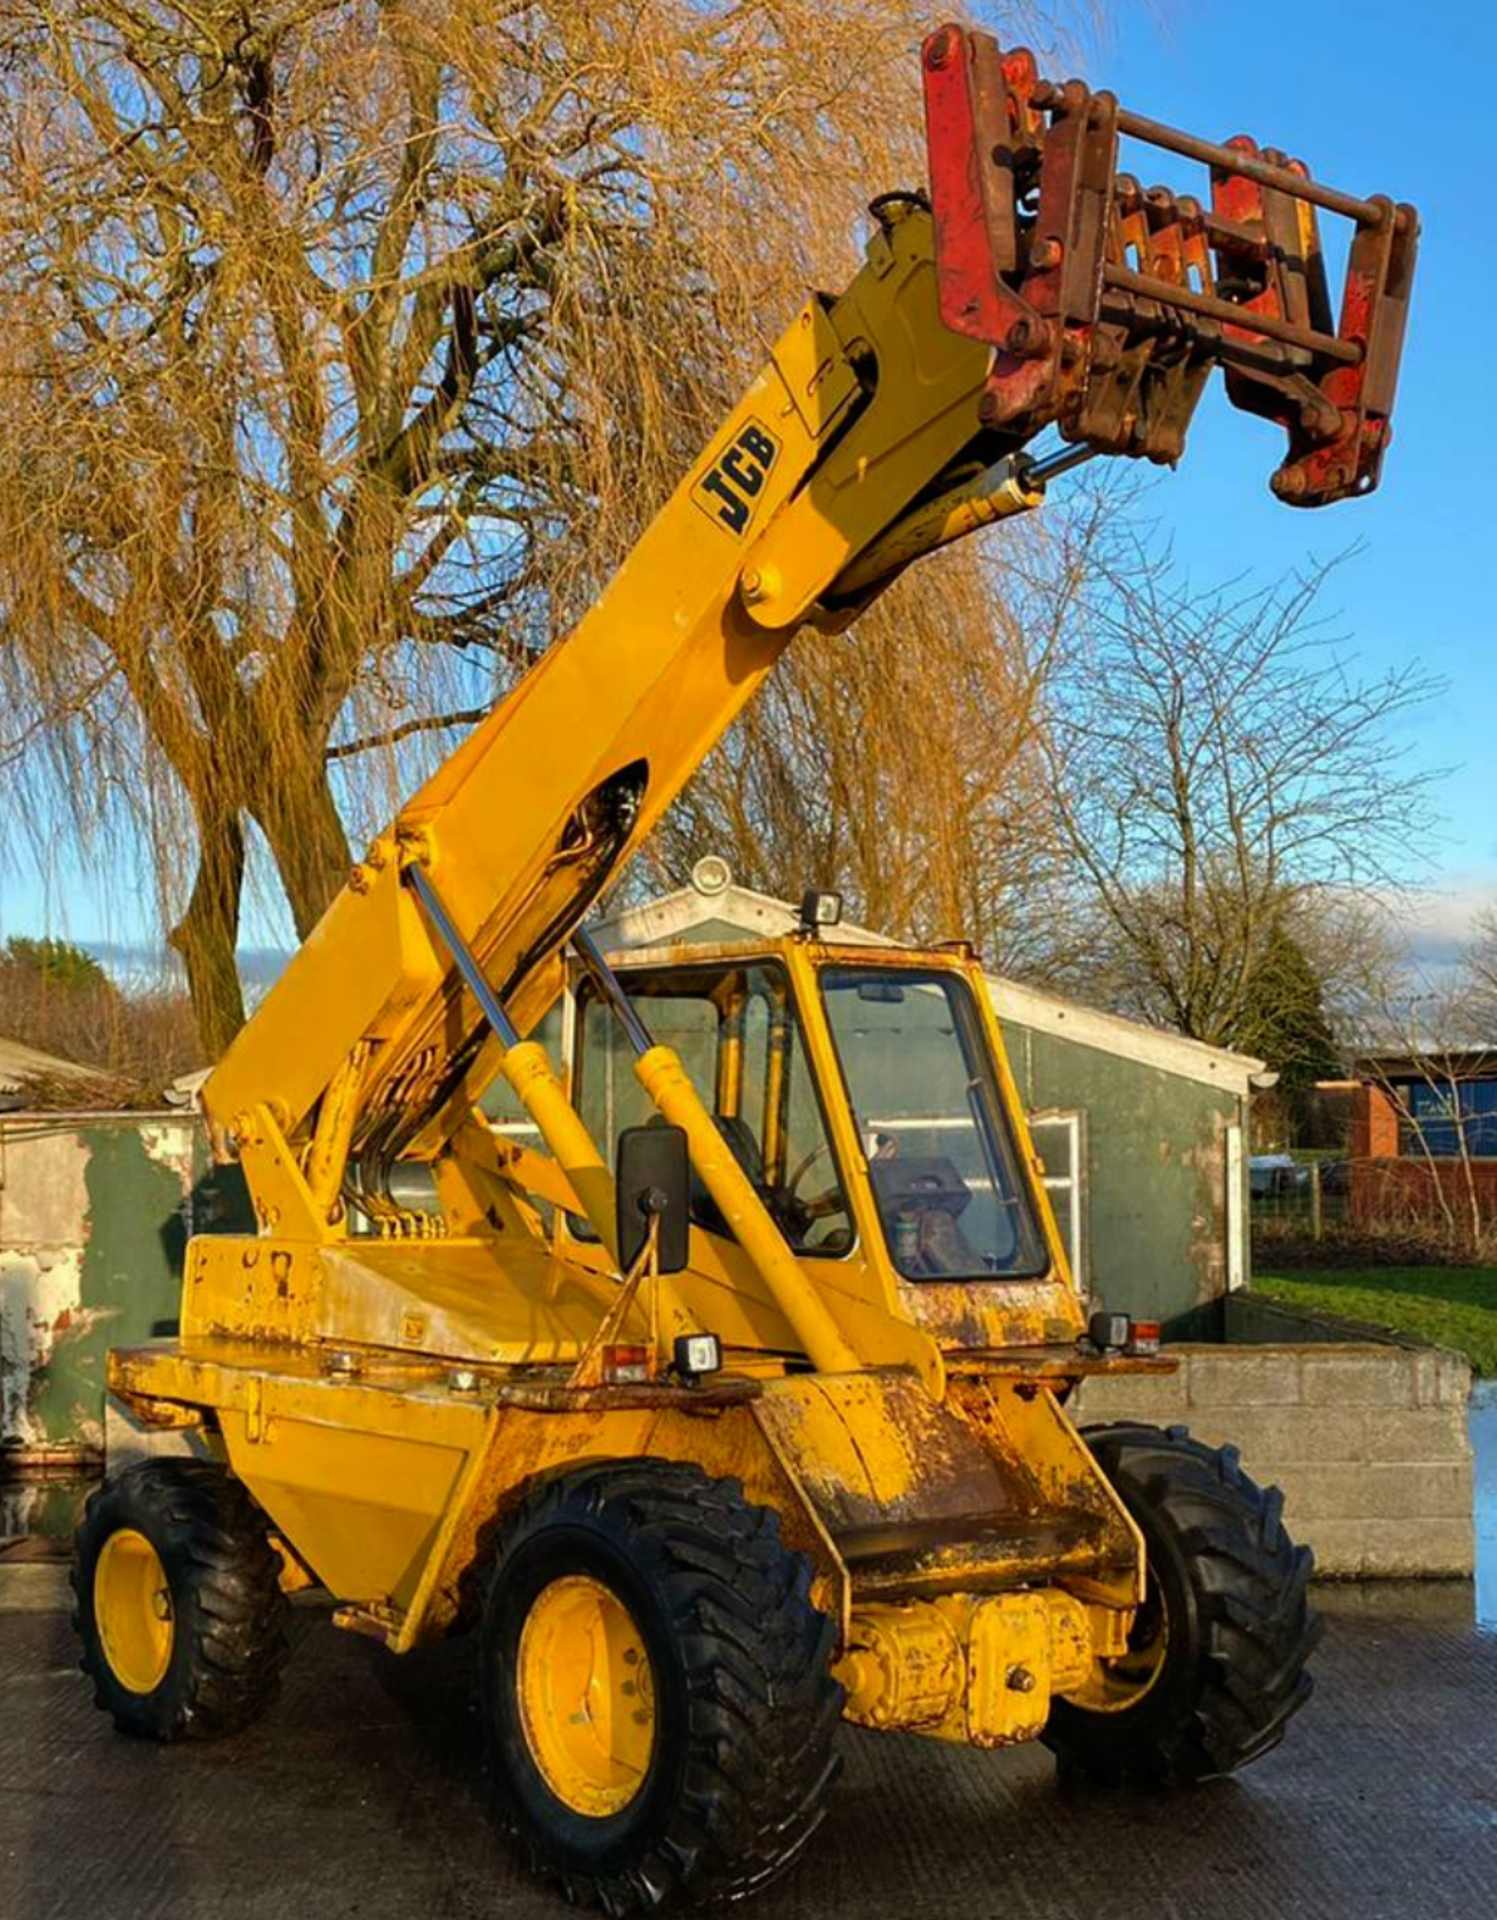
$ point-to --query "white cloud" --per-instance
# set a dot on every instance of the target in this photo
(1440, 922)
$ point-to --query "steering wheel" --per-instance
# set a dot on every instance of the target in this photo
(824, 1205)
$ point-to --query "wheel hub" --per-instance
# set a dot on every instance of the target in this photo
(133, 1609)
(586, 1695)
(1118, 1684)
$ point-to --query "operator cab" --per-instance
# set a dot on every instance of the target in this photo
(857, 1093)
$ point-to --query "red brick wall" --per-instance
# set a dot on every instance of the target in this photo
(1374, 1126)
(1387, 1187)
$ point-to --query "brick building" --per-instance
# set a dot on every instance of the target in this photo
(1423, 1135)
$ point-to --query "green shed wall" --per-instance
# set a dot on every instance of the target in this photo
(94, 1218)
(1155, 1189)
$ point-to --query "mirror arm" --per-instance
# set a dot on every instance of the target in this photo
(588, 1371)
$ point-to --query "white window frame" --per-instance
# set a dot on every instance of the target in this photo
(1073, 1184)
(1236, 1212)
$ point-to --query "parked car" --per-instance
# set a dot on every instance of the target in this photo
(1275, 1175)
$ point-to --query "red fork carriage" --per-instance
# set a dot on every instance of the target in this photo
(1108, 303)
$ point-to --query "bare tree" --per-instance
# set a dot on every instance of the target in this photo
(1221, 776)
(347, 344)
(1480, 969)
(58, 999)
(1421, 1067)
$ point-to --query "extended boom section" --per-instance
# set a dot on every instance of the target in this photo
(1036, 287)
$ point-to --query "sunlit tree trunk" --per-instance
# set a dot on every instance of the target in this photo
(207, 935)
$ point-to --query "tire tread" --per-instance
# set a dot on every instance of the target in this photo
(762, 1706)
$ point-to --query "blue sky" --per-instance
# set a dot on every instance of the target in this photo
(1356, 92)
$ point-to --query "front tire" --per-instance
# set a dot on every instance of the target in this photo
(177, 1601)
(656, 1687)
(1216, 1665)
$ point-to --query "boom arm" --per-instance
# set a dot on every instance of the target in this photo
(886, 422)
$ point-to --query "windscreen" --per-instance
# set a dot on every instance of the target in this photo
(951, 1196)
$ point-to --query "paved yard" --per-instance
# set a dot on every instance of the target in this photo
(361, 1795)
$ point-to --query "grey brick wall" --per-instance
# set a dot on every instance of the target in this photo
(1370, 1444)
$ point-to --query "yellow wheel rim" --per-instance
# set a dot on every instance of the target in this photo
(587, 1696)
(1115, 1685)
(133, 1609)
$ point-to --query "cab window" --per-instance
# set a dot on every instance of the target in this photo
(738, 1037)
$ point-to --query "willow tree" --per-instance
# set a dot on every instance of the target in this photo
(346, 345)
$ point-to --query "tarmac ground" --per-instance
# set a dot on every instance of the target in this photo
(362, 1794)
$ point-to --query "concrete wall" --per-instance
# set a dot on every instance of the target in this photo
(1369, 1443)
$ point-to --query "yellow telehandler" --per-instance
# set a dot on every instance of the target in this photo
(730, 1401)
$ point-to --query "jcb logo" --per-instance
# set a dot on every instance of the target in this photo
(732, 484)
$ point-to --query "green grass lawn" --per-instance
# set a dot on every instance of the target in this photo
(1447, 1306)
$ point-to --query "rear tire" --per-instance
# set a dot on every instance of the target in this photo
(1217, 1662)
(707, 1757)
(177, 1601)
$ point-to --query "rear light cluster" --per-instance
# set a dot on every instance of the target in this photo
(1121, 1333)
(625, 1366)
(693, 1355)
(1144, 1337)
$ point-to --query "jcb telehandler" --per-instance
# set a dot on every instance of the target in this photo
(735, 1404)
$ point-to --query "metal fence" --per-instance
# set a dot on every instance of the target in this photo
(1298, 1193)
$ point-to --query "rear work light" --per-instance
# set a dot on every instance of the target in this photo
(696, 1354)
(1108, 1332)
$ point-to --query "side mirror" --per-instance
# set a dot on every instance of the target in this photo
(652, 1178)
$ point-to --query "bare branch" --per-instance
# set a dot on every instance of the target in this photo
(392, 736)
